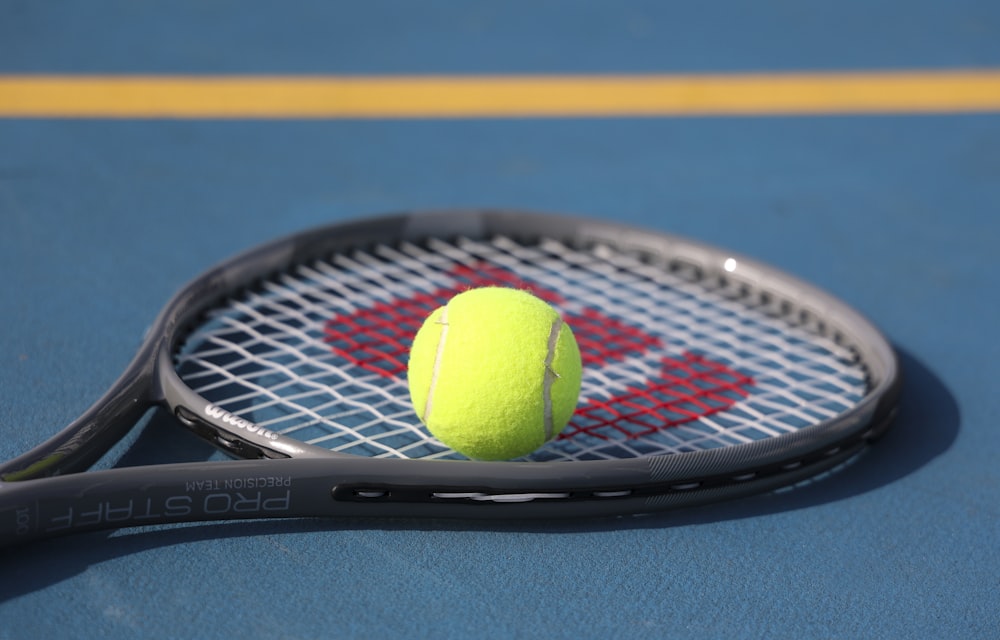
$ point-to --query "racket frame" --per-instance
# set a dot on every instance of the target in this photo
(328, 483)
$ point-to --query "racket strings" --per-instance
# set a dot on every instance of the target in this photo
(672, 364)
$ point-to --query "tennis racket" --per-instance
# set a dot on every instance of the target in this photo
(707, 376)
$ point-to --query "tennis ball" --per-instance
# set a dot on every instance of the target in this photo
(495, 373)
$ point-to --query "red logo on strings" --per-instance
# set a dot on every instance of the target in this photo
(687, 387)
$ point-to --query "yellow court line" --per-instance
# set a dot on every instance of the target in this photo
(916, 92)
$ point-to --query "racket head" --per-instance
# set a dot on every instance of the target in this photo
(702, 367)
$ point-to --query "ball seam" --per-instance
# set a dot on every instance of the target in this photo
(550, 376)
(438, 356)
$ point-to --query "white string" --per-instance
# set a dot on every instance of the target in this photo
(265, 357)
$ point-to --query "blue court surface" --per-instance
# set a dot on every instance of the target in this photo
(888, 199)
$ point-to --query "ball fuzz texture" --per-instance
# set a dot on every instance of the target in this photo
(495, 373)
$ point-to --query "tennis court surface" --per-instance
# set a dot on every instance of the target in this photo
(855, 146)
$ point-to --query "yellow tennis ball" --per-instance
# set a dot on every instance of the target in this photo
(495, 373)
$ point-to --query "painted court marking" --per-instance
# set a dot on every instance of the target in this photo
(388, 97)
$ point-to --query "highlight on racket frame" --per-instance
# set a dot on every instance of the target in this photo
(707, 376)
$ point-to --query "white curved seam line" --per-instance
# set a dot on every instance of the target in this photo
(443, 321)
(550, 376)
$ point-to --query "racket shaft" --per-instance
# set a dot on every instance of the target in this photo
(295, 488)
(129, 497)
(316, 488)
